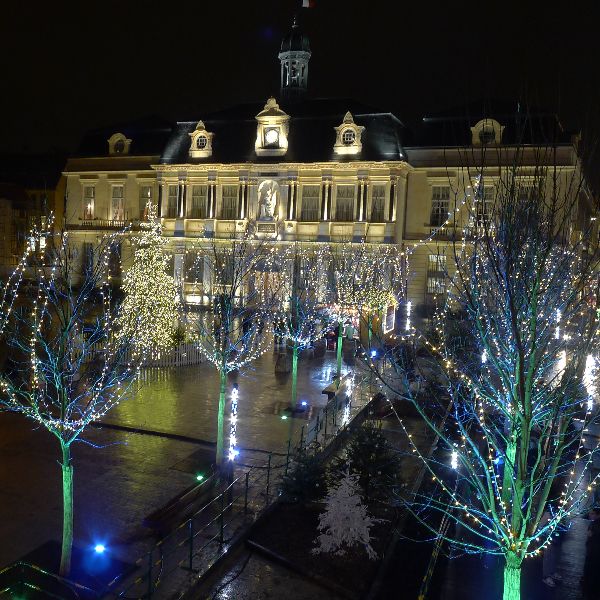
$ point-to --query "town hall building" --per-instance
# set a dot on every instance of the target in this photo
(300, 169)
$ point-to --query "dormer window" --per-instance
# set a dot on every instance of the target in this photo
(486, 132)
(272, 130)
(201, 142)
(118, 143)
(348, 136)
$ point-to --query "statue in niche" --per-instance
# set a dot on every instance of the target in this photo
(268, 196)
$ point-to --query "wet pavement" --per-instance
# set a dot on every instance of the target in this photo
(133, 474)
(184, 401)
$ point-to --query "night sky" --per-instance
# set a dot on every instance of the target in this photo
(66, 68)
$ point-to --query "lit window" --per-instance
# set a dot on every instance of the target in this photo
(89, 193)
(310, 203)
(230, 202)
(378, 204)
(199, 208)
(485, 204)
(440, 199)
(344, 205)
(145, 197)
(436, 274)
(118, 206)
(348, 137)
(172, 202)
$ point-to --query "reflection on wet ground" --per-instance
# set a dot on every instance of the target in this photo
(184, 401)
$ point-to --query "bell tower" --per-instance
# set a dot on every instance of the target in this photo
(294, 56)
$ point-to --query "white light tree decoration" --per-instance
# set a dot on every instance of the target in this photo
(345, 523)
(70, 368)
(510, 395)
(36, 241)
(151, 303)
(242, 277)
(303, 319)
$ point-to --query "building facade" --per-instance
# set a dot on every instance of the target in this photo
(316, 171)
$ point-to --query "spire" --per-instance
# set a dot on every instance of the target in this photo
(294, 56)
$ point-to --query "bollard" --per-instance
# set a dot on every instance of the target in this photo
(268, 478)
(191, 557)
(246, 493)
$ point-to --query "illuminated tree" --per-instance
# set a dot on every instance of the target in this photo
(503, 385)
(368, 279)
(69, 369)
(302, 320)
(345, 522)
(148, 315)
(242, 276)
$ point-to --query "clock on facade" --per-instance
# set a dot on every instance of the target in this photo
(272, 137)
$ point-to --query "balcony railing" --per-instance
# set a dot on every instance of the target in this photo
(105, 224)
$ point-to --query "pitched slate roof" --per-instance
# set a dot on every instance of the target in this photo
(523, 124)
(148, 137)
(310, 139)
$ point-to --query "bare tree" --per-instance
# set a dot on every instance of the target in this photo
(241, 275)
(500, 378)
(68, 369)
(303, 319)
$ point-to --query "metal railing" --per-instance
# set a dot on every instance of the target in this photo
(192, 548)
(21, 580)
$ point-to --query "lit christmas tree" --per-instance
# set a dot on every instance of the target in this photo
(148, 313)
(70, 368)
(345, 523)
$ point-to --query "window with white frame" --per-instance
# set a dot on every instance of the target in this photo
(310, 203)
(378, 204)
(172, 202)
(87, 257)
(440, 201)
(230, 202)
(199, 207)
(194, 268)
(145, 197)
(485, 204)
(89, 196)
(344, 203)
(436, 274)
(117, 203)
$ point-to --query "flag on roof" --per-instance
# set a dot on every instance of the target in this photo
(308, 3)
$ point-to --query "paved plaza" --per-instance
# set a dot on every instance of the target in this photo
(132, 474)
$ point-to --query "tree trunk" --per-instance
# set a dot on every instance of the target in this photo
(339, 352)
(221, 420)
(512, 578)
(294, 376)
(67, 538)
